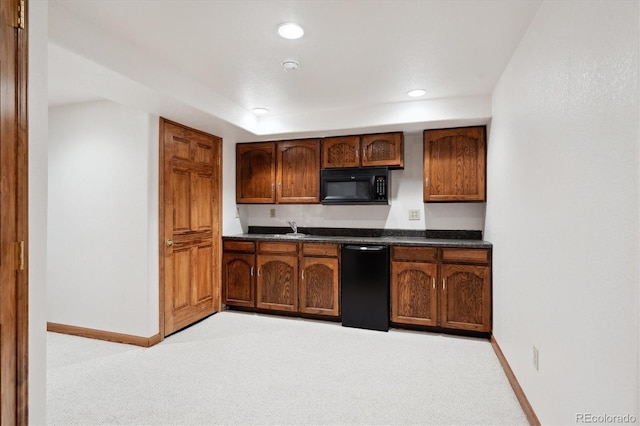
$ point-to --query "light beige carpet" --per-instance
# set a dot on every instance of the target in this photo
(241, 368)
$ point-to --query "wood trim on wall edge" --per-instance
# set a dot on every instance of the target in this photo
(104, 335)
(522, 398)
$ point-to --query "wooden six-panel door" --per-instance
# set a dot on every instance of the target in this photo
(13, 215)
(191, 252)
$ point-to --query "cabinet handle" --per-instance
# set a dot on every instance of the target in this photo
(357, 154)
(252, 271)
(303, 274)
(259, 267)
(273, 188)
(426, 182)
(444, 283)
(434, 282)
(280, 187)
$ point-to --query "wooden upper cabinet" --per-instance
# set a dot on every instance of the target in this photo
(256, 172)
(298, 171)
(377, 150)
(383, 149)
(455, 164)
(341, 151)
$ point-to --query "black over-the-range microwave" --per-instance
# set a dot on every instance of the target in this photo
(368, 185)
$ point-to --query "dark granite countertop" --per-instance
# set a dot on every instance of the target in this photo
(384, 240)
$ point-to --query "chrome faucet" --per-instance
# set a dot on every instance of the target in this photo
(293, 226)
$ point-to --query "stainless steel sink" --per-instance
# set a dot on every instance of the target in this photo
(292, 235)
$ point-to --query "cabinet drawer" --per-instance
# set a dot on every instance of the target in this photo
(277, 247)
(243, 246)
(320, 249)
(465, 255)
(415, 254)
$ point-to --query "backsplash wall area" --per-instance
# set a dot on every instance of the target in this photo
(406, 194)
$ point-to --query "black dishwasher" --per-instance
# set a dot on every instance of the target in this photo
(365, 286)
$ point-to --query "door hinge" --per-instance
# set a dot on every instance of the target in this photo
(20, 257)
(21, 21)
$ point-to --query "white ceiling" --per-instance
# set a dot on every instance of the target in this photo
(212, 61)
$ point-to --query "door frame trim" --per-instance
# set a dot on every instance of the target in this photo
(217, 229)
(22, 226)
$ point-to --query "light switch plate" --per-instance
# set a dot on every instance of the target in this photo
(272, 212)
(414, 214)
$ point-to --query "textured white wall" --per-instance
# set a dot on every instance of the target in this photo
(37, 210)
(406, 193)
(231, 224)
(102, 221)
(562, 211)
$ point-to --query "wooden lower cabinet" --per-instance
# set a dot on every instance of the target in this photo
(277, 279)
(320, 279)
(277, 282)
(282, 276)
(435, 287)
(238, 273)
(465, 301)
(448, 288)
(414, 298)
(319, 286)
(238, 281)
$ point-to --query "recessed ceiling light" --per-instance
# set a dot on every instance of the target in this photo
(260, 111)
(290, 31)
(290, 65)
(417, 93)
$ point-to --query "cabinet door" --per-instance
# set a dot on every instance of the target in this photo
(384, 149)
(455, 164)
(413, 293)
(319, 289)
(255, 173)
(238, 287)
(298, 173)
(277, 282)
(342, 151)
(465, 299)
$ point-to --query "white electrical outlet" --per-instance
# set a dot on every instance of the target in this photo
(272, 212)
(237, 212)
(414, 214)
(536, 358)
